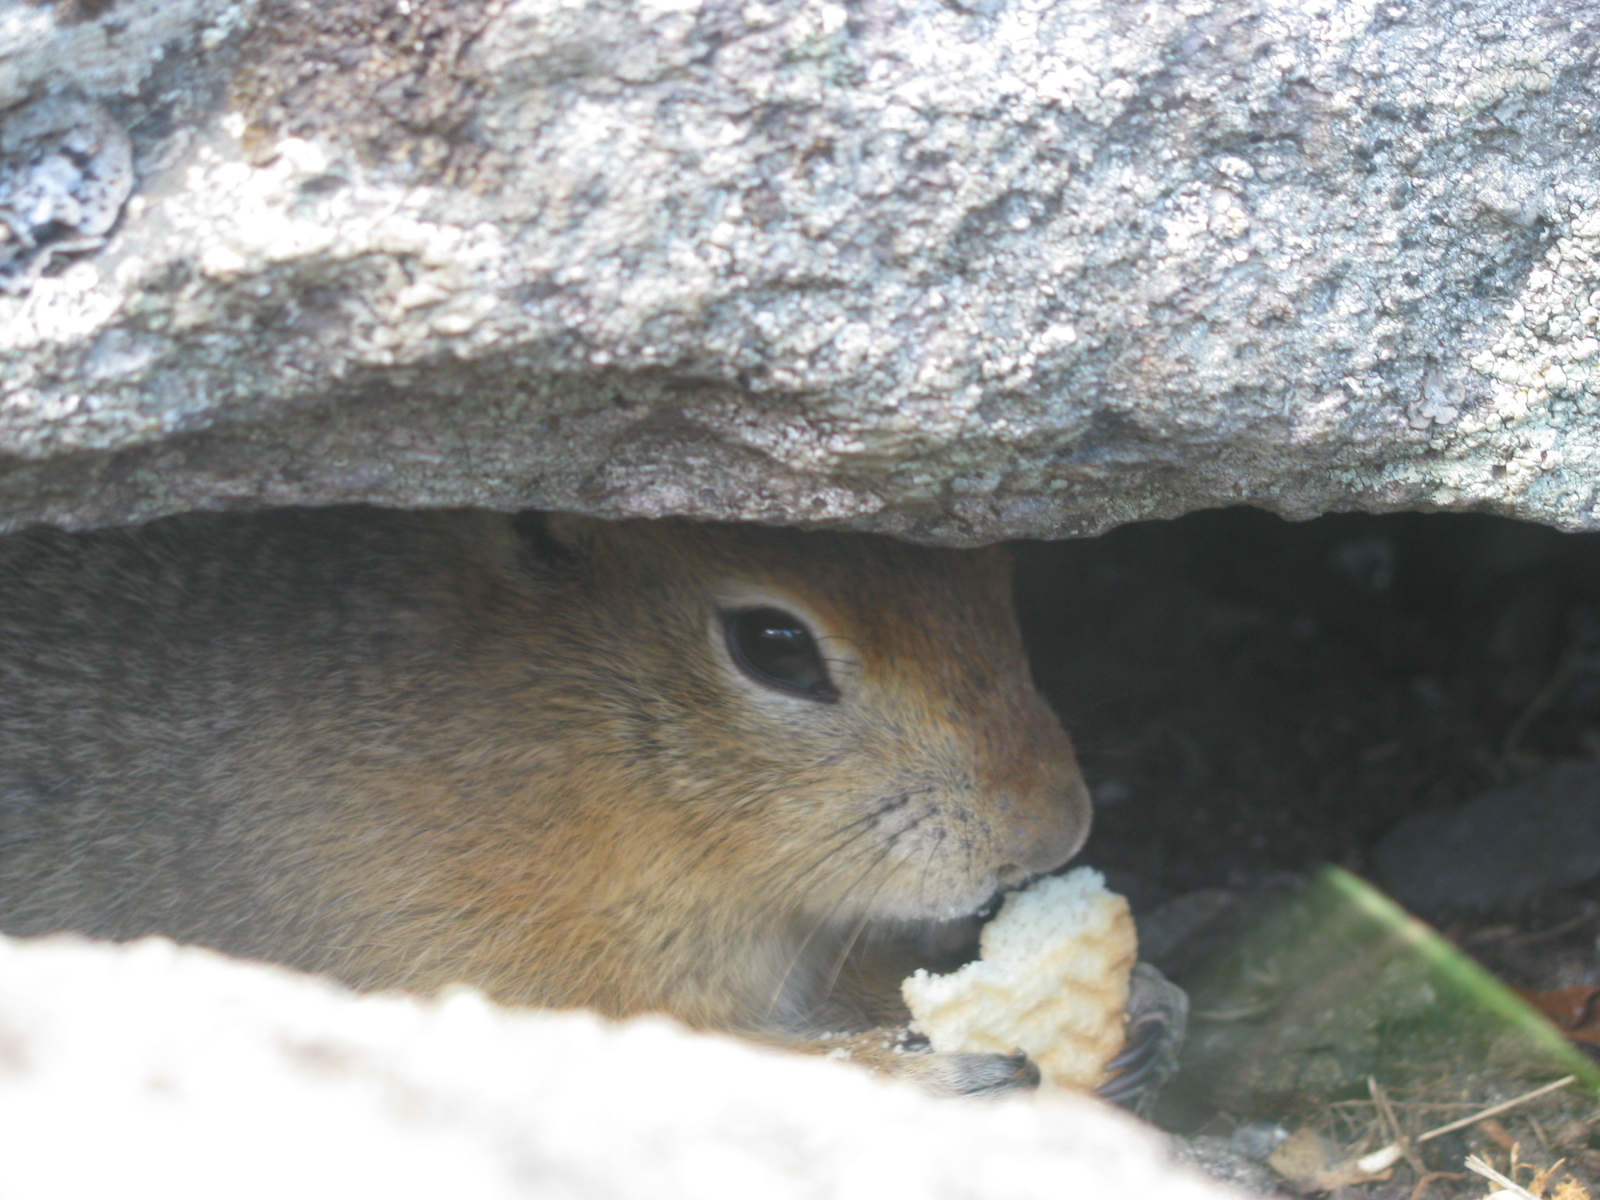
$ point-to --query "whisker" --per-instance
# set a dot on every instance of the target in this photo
(830, 856)
(855, 829)
(869, 819)
(849, 944)
(822, 922)
(827, 918)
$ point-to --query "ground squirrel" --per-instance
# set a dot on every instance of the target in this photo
(631, 766)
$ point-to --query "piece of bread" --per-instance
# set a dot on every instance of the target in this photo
(1051, 980)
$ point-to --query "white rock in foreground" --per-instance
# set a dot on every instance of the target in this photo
(151, 1068)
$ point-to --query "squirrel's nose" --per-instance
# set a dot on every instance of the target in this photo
(1057, 831)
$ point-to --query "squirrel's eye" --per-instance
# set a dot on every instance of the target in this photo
(776, 649)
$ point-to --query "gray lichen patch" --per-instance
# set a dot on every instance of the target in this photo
(66, 169)
(394, 82)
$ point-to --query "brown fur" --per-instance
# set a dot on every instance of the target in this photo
(415, 749)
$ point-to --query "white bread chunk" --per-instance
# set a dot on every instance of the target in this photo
(1051, 980)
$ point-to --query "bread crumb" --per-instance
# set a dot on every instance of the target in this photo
(1051, 981)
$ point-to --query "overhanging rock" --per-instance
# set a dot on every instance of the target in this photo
(958, 271)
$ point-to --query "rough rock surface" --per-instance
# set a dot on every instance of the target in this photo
(150, 1069)
(959, 270)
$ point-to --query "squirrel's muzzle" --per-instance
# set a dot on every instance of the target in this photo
(1043, 830)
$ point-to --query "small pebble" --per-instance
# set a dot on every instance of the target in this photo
(1529, 837)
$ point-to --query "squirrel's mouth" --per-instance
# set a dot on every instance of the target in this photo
(982, 900)
(1008, 884)
(957, 935)
(944, 944)
(990, 906)
(940, 944)
(986, 909)
(1008, 879)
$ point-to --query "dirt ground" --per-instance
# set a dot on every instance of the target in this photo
(1252, 698)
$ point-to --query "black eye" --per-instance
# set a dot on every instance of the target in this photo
(774, 648)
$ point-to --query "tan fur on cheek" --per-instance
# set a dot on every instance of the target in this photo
(420, 749)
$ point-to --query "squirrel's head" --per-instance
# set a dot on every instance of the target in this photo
(847, 721)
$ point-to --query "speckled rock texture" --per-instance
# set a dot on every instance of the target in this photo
(150, 1070)
(954, 269)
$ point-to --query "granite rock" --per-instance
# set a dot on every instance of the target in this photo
(954, 269)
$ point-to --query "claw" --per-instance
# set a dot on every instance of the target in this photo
(1158, 1015)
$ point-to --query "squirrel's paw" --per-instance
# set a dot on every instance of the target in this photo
(905, 1056)
(968, 1074)
(1158, 1016)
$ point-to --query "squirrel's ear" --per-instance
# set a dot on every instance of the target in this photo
(551, 542)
